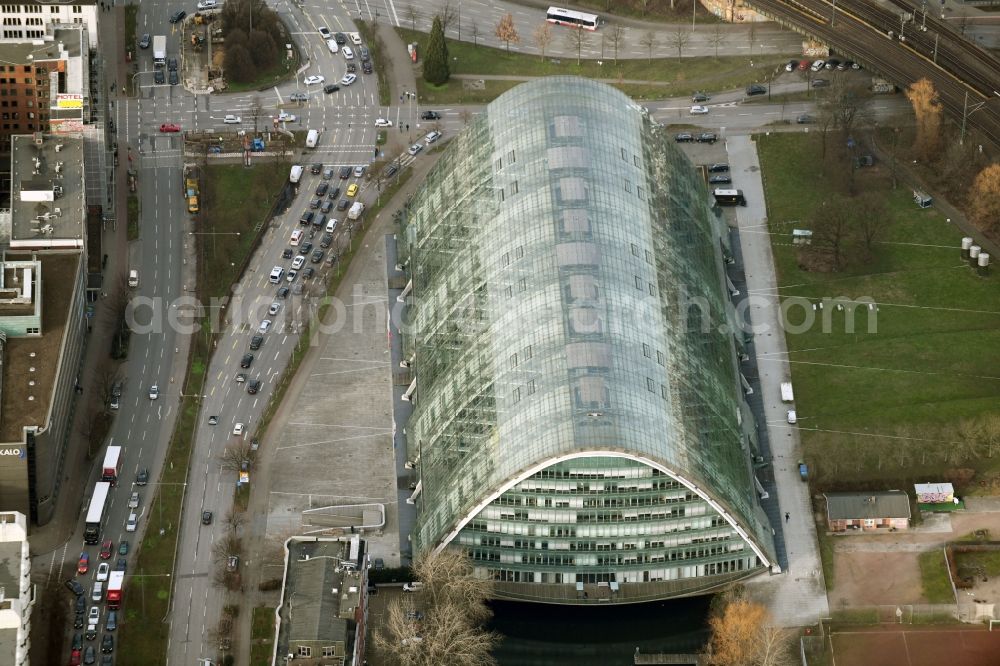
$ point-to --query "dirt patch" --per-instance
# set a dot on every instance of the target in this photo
(913, 646)
(872, 570)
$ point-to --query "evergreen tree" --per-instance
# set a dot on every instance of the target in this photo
(436, 59)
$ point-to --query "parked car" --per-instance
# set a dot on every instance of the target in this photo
(172, 64)
(700, 97)
(699, 110)
(178, 16)
(684, 137)
(720, 179)
(792, 64)
(820, 83)
(144, 41)
(804, 119)
(757, 89)
(430, 115)
(718, 168)
(159, 78)
(348, 79)
(706, 137)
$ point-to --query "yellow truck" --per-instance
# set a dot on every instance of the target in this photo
(191, 190)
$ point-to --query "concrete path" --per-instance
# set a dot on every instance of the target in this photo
(796, 597)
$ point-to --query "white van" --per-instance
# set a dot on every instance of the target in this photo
(132, 523)
(332, 45)
(331, 225)
(356, 210)
(296, 237)
(98, 592)
(348, 53)
(133, 278)
(312, 138)
(276, 274)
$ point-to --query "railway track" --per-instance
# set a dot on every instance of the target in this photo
(857, 37)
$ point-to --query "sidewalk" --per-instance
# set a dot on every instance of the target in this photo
(402, 74)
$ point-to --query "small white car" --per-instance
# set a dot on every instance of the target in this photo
(325, 33)
(414, 149)
(818, 65)
(133, 501)
(347, 53)
(699, 110)
(313, 80)
(332, 45)
(791, 416)
(383, 122)
(274, 309)
(230, 119)
(208, 4)
(348, 79)
(413, 587)
(432, 137)
(264, 325)
(94, 615)
(286, 117)
(102, 571)
(238, 430)
(154, 392)
(355, 38)
(296, 237)
(132, 523)
(298, 262)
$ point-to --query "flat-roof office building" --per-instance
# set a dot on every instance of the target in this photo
(578, 422)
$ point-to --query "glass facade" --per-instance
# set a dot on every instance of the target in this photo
(577, 422)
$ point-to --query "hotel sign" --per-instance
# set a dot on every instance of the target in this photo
(66, 101)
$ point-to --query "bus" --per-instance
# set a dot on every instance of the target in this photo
(571, 18)
(95, 514)
(729, 197)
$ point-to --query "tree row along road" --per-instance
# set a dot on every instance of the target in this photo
(854, 37)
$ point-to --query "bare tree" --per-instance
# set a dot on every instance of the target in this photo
(412, 14)
(450, 632)
(234, 455)
(543, 37)
(872, 220)
(717, 38)
(448, 16)
(104, 382)
(617, 38)
(225, 548)
(678, 39)
(576, 40)
(847, 104)
(644, 5)
(831, 222)
(751, 35)
(648, 41)
(506, 32)
(235, 520)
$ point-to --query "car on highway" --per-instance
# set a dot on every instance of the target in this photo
(264, 325)
(331, 88)
(324, 32)
(383, 122)
(340, 38)
(334, 194)
(241, 377)
(699, 110)
(326, 241)
(253, 386)
(170, 127)
(314, 203)
(332, 45)
(700, 97)
(142, 478)
(206, 517)
(352, 68)
(108, 644)
(256, 341)
(347, 53)
(83, 564)
(298, 97)
(247, 359)
(352, 189)
(230, 119)
(307, 217)
(213, 420)
(803, 119)
(328, 173)
(820, 83)
(103, 569)
(120, 564)
(159, 78)
(132, 523)
(178, 16)
(144, 41)
(313, 80)
(684, 137)
(123, 548)
(107, 547)
(295, 238)
(366, 67)
(74, 587)
(756, 89)
(154, 392)
(94, 615)
(390, 171)
(307, 274)
(274, 308)
(430, 115)
(306, 247)
(348, 79)
(414, 149)
(284, 117)
(173, 77)
(112, 622)
(238, 430)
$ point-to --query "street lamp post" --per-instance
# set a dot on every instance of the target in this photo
(966, 112)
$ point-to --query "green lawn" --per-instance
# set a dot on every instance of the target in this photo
(278, 72)
(262, 636)
(883, 405)
(234, 201)
(670, 76)
(934, 577)
(988, 561)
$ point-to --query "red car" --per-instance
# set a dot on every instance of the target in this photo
(804, 65)
(83, 564)
(74, 658)
(106, 548)
(170, 127)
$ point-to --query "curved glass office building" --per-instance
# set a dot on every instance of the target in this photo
(578, 422)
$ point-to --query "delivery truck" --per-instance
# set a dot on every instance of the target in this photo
(356, 210)
(312, 138)
(296, 174)
(116, 581)
(786, 392)
(112, 465)
(159, 50)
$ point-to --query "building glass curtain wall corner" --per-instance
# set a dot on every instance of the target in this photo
(576, 419)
